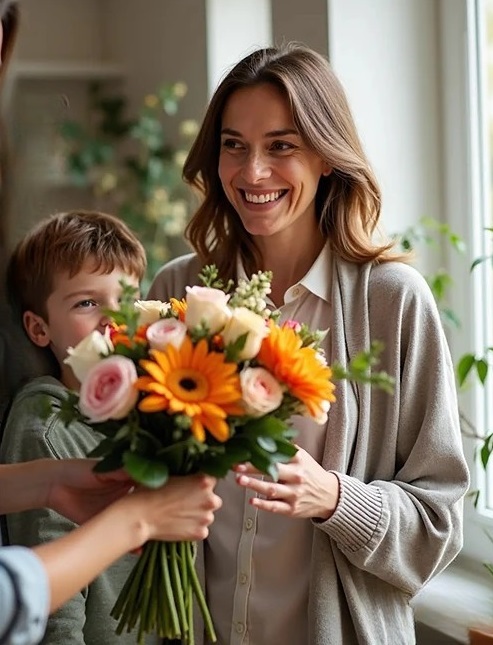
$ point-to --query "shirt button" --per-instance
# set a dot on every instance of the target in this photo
(243, 578)
(248, 523)
(240, 628)
(296, 291)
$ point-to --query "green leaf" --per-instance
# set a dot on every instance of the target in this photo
(104, 448)
(232, 350)
(267, 443)
(145, 471)
(265, 427)
(486, 450)
(449, 316)
(479, 261)
(465, 365)
(112, 462)
(482, 370)
(238, 453)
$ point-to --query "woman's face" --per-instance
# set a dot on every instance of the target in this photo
(268, 173)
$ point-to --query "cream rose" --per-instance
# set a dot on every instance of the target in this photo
(244, 321)
(90, 351)
(322, 417)
(261, 392)
(207, 307)
(108, 391)
(167, 331)
(151, 310)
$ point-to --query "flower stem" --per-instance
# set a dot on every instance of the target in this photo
(178, 588)
(169, 595)
(199, 594)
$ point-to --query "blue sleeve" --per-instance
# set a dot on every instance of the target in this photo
(24, 596)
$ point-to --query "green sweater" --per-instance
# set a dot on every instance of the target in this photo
(84, 620)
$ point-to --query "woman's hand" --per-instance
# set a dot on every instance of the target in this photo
(304, 488)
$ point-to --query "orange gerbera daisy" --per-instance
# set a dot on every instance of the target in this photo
(297, 367)
(179, 307)
(192, 381)
(119, 335)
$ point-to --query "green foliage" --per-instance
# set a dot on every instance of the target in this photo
(360, 369)
(132, 166)
(430, 232)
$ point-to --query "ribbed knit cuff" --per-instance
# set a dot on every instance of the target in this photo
(357, 516)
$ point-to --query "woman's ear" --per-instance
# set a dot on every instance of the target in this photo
(36, 329)
(327, 170)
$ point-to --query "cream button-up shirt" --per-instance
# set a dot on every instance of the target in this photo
(257, 563)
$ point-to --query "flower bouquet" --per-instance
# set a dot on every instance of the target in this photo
(196, 385)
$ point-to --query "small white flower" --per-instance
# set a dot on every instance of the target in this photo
(244, 321)
(208, 307)
(90, 351)
(151, 311)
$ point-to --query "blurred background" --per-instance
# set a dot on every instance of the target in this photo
(104, 98)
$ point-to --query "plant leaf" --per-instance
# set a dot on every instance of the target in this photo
(144, 471)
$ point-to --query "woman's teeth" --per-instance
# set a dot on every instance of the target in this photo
(263, 199)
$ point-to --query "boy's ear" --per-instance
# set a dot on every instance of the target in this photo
(36, 329)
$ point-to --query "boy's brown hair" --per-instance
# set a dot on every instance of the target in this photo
(63, 243)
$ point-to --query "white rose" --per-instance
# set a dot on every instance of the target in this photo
(206, 306)
(151, 310)
(322, 417)
(90, 351)
(261, 392)
(167, 331)
(244, 321)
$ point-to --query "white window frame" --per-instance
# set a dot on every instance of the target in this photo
(466, 197)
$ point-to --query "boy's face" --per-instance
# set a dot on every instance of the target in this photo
(74, 310)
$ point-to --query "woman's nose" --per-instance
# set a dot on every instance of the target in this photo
(256, 167)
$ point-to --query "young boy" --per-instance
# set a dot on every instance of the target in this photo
(60, 277)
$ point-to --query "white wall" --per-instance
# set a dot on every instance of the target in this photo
(386, 54)
(157, 41)
(60, 30)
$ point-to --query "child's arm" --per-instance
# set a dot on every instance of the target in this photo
(27, 437)
(68, 486)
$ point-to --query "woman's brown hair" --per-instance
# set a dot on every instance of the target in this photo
(348, 201)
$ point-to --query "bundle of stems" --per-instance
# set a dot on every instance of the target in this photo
(158, 596)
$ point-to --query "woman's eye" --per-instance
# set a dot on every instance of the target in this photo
(281, 146)
(231, 144)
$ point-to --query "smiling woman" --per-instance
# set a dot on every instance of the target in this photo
(269, 175)
(287, 188)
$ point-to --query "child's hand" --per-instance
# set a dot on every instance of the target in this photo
(77, 492)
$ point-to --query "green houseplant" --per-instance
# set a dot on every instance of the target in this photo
(132, 164)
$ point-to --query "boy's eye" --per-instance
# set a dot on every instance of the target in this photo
(85, 304)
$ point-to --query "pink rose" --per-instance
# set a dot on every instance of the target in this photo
(261, 392)
(207, 307)
(164, 332)
(292, 324)
(108, 391)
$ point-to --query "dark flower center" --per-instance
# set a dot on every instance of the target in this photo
(188, 384)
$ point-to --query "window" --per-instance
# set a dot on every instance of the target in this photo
(467, 99)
